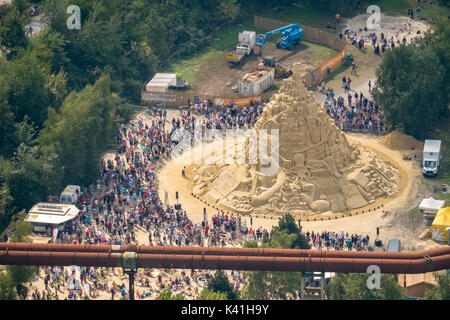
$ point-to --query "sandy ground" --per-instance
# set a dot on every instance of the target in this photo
(390, 26)
(366, 61)
(36, 24)
(115, 275)
(392, 218)
(170, 176)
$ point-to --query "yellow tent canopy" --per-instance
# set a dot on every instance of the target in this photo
(440, 223)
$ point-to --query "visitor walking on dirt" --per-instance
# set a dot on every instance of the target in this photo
(353, 68)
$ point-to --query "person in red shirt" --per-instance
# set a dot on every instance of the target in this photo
(206, 231)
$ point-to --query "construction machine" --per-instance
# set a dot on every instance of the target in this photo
(290, 36)
(245, 46)
(280, 72)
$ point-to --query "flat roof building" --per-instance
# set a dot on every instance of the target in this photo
(43, 215)
(256, 82)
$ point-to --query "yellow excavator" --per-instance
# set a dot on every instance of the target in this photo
(280, 72)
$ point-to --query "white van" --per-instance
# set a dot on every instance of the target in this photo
(70, 194)
(431, 157)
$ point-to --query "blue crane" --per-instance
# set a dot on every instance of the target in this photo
(290, 35)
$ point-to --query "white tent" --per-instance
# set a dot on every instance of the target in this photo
(430, 204)
(161, 82)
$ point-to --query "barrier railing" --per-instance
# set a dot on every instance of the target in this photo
(313, 35)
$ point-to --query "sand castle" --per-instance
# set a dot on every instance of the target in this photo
(319, 171)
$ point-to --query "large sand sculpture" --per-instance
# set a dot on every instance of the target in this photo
(320, 172)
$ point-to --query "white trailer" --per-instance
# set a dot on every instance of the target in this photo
(431, 157)
(256, 82)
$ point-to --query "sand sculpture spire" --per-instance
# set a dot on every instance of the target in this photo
(319, 170)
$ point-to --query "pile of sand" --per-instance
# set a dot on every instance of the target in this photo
(397, 140)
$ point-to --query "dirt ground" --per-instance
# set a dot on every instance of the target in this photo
(366, 61)
(222, 79)
(390, 26)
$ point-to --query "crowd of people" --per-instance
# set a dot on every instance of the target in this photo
(228, 116)
(125, 199)
(355, 111)
(337, 241)
(124, 202)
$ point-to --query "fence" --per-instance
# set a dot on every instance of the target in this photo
(313, 35)
(375, 130)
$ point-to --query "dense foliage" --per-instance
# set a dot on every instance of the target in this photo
(220, 283)
(14, 278)
(78, 133)
(277, 285)
(62, 91)
(167, 295)
(442, 290)
(207, 294)
(413, 83)
(353, 286)
(130, 39)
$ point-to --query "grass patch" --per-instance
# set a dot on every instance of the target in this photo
(446, 197)
(191, 67)
(320, 52)
(213, 57)
(226, 38)
(210, 58)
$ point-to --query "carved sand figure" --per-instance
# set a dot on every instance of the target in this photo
(319, 171)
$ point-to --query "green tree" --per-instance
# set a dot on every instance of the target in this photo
(353, 286)
(207, 294)
(12, 34)
(7, 129)
(20, 5)
(410, 89)
(31, 175)
(81, 131)
(20, 275)
(6, 200)
(266, 285)
(288, 226)
(221, 284)
(27, 92)
(442, 290)
(7, 290)
(49, 46)
(437, 40)
(167, 295)
(229, 10)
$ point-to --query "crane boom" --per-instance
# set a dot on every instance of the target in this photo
(290, 35)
